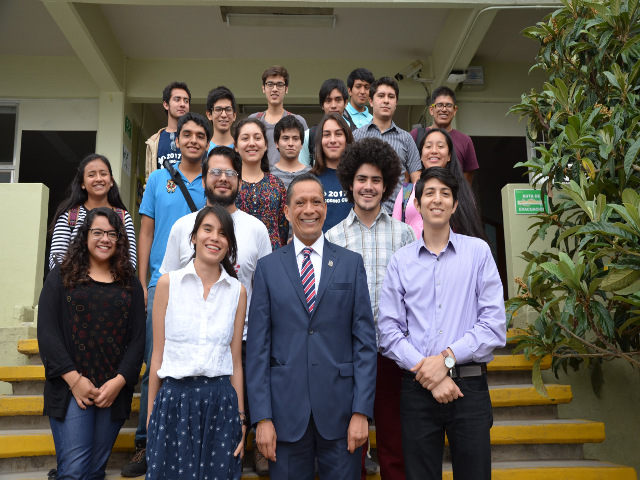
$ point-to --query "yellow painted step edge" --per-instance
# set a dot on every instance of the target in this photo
(26, 445)
(29, 373)
(28, 346)
(528, 396)
(515, 363)
(604, 472)
(26, 373)
(500, 397)
(33, 404)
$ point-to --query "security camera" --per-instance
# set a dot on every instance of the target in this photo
(457, 76)
(410, 71)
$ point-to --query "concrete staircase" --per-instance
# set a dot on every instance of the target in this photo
(528, 440)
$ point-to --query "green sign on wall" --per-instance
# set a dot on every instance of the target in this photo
(127, 126)
(528, 202)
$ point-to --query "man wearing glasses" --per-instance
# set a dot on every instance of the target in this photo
(221, 112)
(275, 85)
(442, 109)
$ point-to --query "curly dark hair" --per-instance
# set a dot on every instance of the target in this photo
(373, 151)
(77, 196)
(226, 221)
(264, 162)
(75, 267)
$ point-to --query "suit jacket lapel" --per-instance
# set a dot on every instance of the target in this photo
(288, 257)
(329, 263)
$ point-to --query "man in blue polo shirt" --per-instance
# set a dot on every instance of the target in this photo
(162, 204)
(358, 83)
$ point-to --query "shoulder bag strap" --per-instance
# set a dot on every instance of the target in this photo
(178, 179)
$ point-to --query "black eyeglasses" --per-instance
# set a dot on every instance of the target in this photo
(98, 233)
(443, 106)
(278, 85)
(219, 110)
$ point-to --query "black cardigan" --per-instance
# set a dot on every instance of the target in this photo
(54, 342)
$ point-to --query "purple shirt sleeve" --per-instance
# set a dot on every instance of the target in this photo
(457, 303)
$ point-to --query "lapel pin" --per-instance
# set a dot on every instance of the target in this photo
(331, 263)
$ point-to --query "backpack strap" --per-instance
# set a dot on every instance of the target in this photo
(312, 144)
(407, 188)
(347, 116)
(120, 213)
(178, 179)
(422, 132)
(72, 217)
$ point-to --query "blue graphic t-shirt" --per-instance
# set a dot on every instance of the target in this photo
(167, 149)
(338, 207)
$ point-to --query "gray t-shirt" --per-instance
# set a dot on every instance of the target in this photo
(272, 149)
(285, 176)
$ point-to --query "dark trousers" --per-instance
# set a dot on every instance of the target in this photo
(295, 460)
(466, 421)
(386, 412)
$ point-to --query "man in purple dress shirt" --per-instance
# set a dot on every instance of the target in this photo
(441, 314)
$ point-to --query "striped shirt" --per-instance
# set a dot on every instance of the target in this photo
(63, 234)
(404, 145)
(376, 245)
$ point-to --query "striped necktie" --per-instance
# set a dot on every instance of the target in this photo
(308, 279)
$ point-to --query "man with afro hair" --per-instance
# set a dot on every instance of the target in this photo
(368, 172)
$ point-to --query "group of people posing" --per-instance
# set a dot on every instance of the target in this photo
(305, 282)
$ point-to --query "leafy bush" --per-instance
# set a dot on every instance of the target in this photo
(586, 120)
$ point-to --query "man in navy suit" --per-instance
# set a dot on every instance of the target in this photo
(311, 348)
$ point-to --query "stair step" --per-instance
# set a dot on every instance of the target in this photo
(33, 373)
(501, 396)
(19, 443)
(28, 346)
(29, 373)
(11, 405)
(515, 363)
(536, 470)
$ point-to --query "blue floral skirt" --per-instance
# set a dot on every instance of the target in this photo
(193, 430)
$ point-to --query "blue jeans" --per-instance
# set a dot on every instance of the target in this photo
(141, 431)
(83, 441)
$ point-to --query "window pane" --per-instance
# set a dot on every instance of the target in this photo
(5, 177)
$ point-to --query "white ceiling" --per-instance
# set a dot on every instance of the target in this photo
(194, 32)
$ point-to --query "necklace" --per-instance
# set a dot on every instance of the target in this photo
(253, 180)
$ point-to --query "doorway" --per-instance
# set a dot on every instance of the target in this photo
(496, 158)
(52, 158)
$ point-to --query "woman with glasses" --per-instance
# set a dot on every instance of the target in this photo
(91, 334)
(261, 193)
(92, 187)
(196, 422)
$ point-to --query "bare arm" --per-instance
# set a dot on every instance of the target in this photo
(236, 355)
(145, 240)
(415, 176)
(469, 177)
(160, 302)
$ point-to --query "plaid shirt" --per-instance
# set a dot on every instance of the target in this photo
(376, 245)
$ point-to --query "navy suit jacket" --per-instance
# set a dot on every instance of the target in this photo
(322, 363)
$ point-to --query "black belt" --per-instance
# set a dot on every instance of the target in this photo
(468, 370)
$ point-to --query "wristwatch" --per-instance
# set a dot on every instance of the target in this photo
(449, 361)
